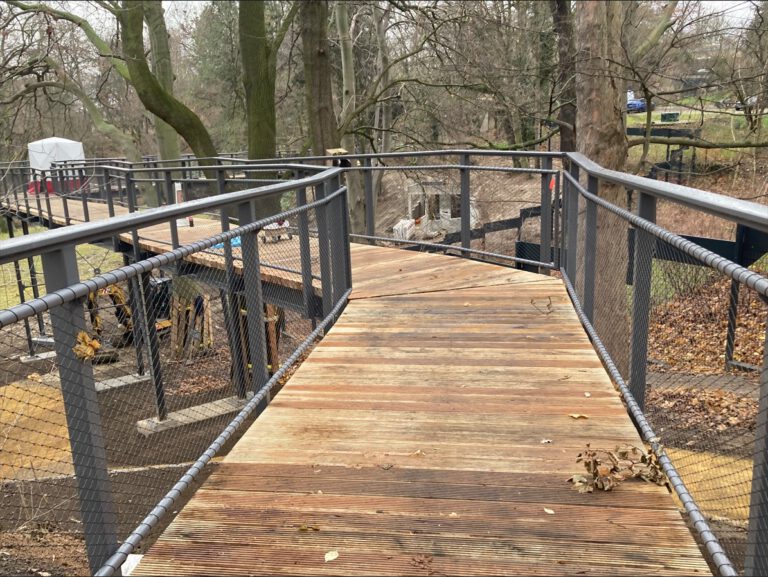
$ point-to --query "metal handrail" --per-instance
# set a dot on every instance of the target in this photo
(743, 211)
(48, 241)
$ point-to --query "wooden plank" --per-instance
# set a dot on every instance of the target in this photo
(410, 441)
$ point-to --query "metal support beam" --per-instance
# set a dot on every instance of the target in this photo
(370, 201)
(645, 244)
(306, 255)
(572, 224)
(756, 559)
(733, 301)
(326, 279)
(81, 406)
(254, 301)
(545, 252)
(590, 251)
(466, 221)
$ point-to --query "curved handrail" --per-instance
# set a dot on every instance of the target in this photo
(48, 241)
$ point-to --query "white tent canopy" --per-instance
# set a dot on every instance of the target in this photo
(43, 152)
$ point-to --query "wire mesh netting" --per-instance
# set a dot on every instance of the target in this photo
(706, 350)
(107, 400)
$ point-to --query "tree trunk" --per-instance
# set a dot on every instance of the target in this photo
(317, 74)
(151, 93)
(602, 138)
(355, 187)
(259, 84)
(566, 50)
(167, 139)
(384, 107)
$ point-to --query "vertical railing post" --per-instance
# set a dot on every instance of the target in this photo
(254, 301)
(590, 251)
(81, 407)
(558, 243)
(370, 201)
(170, 191)
(21, 288)
(642, 274)
(733, 300)
(321, 213)
(230, 302)
(335, 236)
(756, 558)
(466, 221)
(83, 194)
(48, 201)
(305, 254)
(545, 237)
(572, 223)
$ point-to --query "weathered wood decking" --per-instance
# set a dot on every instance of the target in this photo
(411, 441)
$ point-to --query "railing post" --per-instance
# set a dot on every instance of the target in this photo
(81, 406)
(170, 191)
(305, 254)
(590, 251)
(756, 558)
(51, 224)
(321, 213)
(21, 288)
(733, 301)
(230, 304)
(370, 201)
(545, 236)
(559, 243)
(642, 274)
(335, 235)
(572, 224)
(466, 221)
(254, 301)
(84, 194)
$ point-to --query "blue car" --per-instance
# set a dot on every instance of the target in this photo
(636, 105)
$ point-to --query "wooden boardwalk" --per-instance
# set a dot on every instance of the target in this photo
(411, 442)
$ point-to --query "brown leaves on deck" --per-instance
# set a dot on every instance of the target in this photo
(607, 469)
(86, 347)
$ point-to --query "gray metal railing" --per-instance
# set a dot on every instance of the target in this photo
(633, 282)
(220, 282)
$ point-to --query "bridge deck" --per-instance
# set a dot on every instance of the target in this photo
(411, 441)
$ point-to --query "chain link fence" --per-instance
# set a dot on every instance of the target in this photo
(112, 388)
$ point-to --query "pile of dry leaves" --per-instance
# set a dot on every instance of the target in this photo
(607, 469)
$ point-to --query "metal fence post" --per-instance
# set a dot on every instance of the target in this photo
(230, 304)
(335, 232)
(645, 244)
(370, 201)
(254, 301)
(305, 254)
(321, 214)
(733, 301)
(545, 238)
(590, 251)
(81, 406)
(756, 558)
(572, 223)
(466, 221)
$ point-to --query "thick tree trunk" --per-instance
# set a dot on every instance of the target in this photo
(317, 75)
(566, 51)
(259, 84)
(602, 138)
(151, 93)
(167, 139)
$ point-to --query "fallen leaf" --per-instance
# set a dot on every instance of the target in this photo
(578, 416)
(454, 515)
(548, 511)
(546, 441)
(86, 347)
(331, 556)
(35, 377)
(466, 304)
(305, 527)
(587, 395)
(417, 453)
